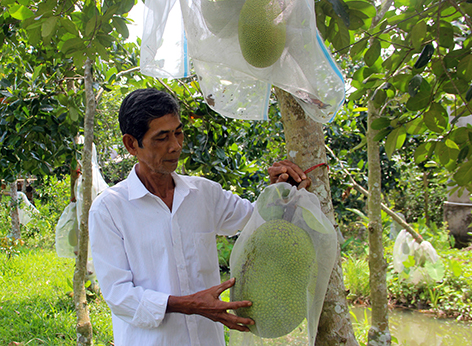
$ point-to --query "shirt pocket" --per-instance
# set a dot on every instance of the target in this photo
(205, 244)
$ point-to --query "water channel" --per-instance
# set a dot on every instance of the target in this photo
(413, 328)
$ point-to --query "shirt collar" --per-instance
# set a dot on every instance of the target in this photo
(136, 188)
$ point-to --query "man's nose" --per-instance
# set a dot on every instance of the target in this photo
(175, 144)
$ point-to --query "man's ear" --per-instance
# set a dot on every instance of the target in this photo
(130, 143)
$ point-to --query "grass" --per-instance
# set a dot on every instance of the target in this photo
(36, 303)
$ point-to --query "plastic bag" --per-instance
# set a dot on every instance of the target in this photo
(301, 208)
(26, 209)
(68, 225)
(405, 250)
(231, 85)
(67, 230)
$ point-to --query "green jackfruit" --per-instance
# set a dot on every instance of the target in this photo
(274, 271)
(425, 56)
(262, 32)
(221, 16)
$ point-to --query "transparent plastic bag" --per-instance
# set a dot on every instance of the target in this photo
(26, 209)
(68, 225)
(281, 204)
(230, 82)
(406, 248)
(67, 230)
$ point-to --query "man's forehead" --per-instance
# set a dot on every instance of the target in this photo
(168, 122)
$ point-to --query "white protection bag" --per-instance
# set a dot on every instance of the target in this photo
(207, 32)
(423, 254)
(301, 208)
(67, 228)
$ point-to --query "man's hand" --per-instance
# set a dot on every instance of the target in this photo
(287, 171)
(207, 303)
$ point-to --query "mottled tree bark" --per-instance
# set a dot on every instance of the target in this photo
(379, 334)
(84, 327)
(14, 213)
(306, 147)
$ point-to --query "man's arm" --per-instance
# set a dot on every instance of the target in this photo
(207, 303)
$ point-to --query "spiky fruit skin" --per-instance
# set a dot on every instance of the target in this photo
(275, 271)
(262, 32)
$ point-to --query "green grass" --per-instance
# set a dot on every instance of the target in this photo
(36, 304)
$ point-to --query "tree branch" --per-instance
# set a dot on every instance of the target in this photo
(391, 213)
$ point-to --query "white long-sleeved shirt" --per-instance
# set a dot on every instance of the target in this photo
(143, 252)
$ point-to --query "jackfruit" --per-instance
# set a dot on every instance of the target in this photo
(221, 16)
(276, 271)
(262, 32)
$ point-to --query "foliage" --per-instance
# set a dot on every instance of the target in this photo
(356, 278)
(417, 92)
(449, 297)
(51, 197)
(36, 301)
(44, 46)
(233, 152)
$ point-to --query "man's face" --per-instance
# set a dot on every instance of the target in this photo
(161, 145)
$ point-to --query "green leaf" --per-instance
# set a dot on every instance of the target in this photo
(373, 53)
(424, 151)
(74, 114)
(49, 26)
(72, 45)
(313, 222)
(380, 123)
(415, 127)
(421, 99)
(382, 134)
(451, 144)
(446, 35)
(340, 11)
(91, 26)
(435, 270)
(362, 6)
(395, 140)
(435, 118)
(21, 12)
(456, 267)
(410, 262)
(37, 71)
(69, 25)
(120, 25)
(447, 156)
(463, 176)
(418, 33)
(358, 48)
(414, 85)
(464, 69)
(455, 86)
(379, 97)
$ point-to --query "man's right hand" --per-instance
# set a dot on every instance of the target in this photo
(207, 303)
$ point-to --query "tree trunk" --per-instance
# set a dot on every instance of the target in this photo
(84, 327)
(379, 334)
(14, 213)
(306, 147)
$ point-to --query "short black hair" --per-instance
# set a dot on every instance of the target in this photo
(142, 106)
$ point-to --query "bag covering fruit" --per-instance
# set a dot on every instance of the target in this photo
(282, 261)
(239, 49)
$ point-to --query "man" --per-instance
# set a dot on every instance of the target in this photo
(153, 236)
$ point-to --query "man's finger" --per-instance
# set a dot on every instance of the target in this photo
(224, 286)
